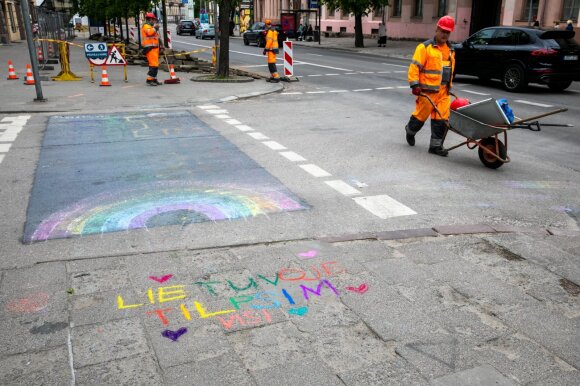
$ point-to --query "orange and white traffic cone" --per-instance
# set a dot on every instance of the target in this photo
(173, 79)
(11, 73)
(29, 77)
(104, 77)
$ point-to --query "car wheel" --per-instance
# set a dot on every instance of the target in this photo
(559, 85)
(246, 42)
(514, 78)
(261, 42)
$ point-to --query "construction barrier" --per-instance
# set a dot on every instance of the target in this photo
(169, 43)
(65, 73)
(213, 55)
(288, 62)
(39, 54)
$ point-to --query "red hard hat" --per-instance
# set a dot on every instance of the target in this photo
(446, 23)
(459, 102)
(150, 15)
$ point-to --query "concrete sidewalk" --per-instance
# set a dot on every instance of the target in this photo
(473, 304)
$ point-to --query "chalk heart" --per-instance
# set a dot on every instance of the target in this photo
(161, 279)
(361, 289)
(174, 335)
(311, 253)
(298, 311)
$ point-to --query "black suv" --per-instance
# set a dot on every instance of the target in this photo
(185, 27)
(520, 55)
(257, 34)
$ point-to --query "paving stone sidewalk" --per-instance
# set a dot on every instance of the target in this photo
(443, 309)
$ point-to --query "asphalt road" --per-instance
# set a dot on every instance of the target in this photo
(332, 71)
(346, 116)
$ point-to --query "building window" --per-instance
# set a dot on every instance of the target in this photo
(397, 5)
(418, 9)
(378, 13)
(570, 9)
(442, 9)
(530, 5)
(330, 12)
(13, 25)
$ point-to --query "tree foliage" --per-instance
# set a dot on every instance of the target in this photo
(108, 9)
(358, 8)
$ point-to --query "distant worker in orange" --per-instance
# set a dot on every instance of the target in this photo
(430, 72)
(272, 50)
(151, 43)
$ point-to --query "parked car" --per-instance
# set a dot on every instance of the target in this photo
(257, 34)
(205, 31)
(185, 27)
(520, 55)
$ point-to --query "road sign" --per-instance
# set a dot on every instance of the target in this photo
(115, 58)
(96, 50)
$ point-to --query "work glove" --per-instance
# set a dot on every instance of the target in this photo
(264, 52)
(416, 90)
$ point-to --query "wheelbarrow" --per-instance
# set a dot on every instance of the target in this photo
(483, 132)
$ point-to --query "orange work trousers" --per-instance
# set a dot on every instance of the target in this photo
(424, 109)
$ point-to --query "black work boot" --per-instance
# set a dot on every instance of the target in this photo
(412, 128)
(151, 83)
(439, 151)
(410, 139)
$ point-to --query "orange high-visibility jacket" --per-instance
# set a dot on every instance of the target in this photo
(271, 39)
(426, 68)
(149, 37)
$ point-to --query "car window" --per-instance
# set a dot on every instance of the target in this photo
(187, 24)
(258, 25)
(482, 37)
(504, 37)
(522, 38)
(561, 43)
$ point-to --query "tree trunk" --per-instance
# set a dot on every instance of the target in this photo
(358, 34)
(223, 70)
(165, 42)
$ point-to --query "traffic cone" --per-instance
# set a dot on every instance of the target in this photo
(104, 77)
(29, 77)
(11, 73)
(173, 79)
(40, 55)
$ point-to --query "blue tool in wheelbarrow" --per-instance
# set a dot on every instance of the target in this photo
(482, 123)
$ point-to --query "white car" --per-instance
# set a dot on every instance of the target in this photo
(205, 31)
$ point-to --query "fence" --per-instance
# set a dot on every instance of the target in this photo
(52, 25)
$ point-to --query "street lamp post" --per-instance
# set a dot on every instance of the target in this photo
(33, 59)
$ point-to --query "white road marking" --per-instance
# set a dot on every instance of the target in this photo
(292, 93)
(315, 92)
(342, 187)
(314, 54)
(350, 73)
(4, 147)
(217, 111)
(366, 72)
(473, 92)
(384, 206)
(331, 74)
(400, 87)
(315, 75)
(396, 65)
(338, 91)
(400, 72)
(1, 158)
(291, 156)
(315, 171)
(532, 103)
(233, 122)
(8, 137)
(384, 88)
(223, 116)
(363, 89)
(383, 72)
(19, 119)
(208, 107)
(258, 136)
(244, 128)
(274, 145)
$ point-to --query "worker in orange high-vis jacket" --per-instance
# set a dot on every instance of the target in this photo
(431, 72)
(151, 42)
(272, 50)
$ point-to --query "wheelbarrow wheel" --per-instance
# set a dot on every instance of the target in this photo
(487, 159)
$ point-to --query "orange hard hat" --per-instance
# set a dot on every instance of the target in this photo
(459, 102)
(150, 15)
(446, 23)
(268, 21)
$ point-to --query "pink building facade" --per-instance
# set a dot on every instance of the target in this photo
(416, 19)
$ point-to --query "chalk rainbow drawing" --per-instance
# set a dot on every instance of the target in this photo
(135, 207)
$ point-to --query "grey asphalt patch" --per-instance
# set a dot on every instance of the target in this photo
(48, 367)
(478, 376)
(108, 173)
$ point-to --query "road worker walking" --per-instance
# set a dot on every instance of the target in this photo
(430, 72)
(151, 43)
(271, 50)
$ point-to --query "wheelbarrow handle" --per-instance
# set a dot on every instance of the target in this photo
(432, 103)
